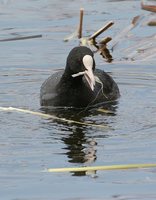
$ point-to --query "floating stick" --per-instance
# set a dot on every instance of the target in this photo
(95, 168)
(151, 8)
(105, 111)
(71, 36)
(48, 116)
(81, 23)
(124, 32)
(104, 41)
(152, 23)
(101, 30)
(20, 38)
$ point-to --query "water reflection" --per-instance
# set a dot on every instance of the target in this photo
(80, 146)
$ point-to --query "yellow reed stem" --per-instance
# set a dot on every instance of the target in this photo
(109, 167)
(48, 116)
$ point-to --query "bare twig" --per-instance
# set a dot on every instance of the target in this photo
(124, 32)
(104, 51)
(20, 38)
(101, 30)
(151, 8)
(81, 23)
(71, 36)
(152, 23)
(102, 48)
(105, 40)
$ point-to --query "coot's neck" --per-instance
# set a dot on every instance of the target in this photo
(67, 80)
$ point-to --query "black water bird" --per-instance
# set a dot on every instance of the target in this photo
(80, 84)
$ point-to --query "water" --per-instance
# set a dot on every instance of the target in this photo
(29, 144)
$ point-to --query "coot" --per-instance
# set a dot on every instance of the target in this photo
(80, 84)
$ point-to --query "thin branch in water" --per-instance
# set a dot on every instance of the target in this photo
(104, 51)
(152, 23)
(21, 38)
(102, 48)
(48, 116)
(101, 30)
(125, 31)
(104, 41)
(80, 23)
(71, 36)
(151, 8)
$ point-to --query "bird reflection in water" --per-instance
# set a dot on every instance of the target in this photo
(79, 145)
(80, 148)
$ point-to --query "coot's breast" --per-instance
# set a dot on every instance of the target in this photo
(72, 95)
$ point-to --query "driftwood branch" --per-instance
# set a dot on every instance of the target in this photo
(124, 32)
(20, 38)
(80, 23)
(152, 23)
(151, 8)
(104, 41)
(101, 30)
(104, 51)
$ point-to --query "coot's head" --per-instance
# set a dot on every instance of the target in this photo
(80, 62)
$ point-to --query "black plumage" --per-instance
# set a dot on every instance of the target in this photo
(80, 84)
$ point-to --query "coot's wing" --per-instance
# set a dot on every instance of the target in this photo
(110, 88)
(48, 88)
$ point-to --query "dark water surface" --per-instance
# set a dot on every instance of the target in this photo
(29, 144)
